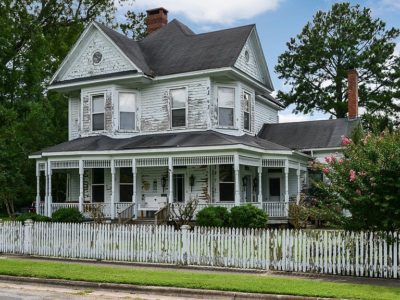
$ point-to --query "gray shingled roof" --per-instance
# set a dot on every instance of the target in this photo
(309, 134)
(174, 48)
(157, 141)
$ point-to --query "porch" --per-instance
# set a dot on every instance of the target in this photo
(135, 187)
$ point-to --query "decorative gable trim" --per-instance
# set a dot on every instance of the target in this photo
(253, 39)
(86, 33)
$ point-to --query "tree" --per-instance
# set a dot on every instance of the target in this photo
(35, 36)
(135, 26)
(316, 62)
(365, 182)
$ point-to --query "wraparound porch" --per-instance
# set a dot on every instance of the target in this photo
(143, 185)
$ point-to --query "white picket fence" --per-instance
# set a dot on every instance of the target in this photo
(319, 251)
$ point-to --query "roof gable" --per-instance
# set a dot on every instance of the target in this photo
(79, 61)
(251, 60)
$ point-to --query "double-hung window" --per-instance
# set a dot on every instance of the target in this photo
(127, 111)
(246, 111)
(178, 107)
(98, 112)
(226, 183)
(98, 185)
(226, 106)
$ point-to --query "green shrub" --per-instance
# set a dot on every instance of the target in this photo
(248, 216)
(215, 216)
(71, 215)
(33, 217)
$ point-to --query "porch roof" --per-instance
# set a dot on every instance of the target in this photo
(155, 141)
(309, 134)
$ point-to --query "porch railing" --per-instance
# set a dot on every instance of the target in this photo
(126, 214)
(42, 210)
(57, 206)
(276, 209)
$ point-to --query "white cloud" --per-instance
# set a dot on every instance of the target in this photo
(391, 3)
(211, 11)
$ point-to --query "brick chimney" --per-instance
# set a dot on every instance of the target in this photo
(352, 79)
(156, 18)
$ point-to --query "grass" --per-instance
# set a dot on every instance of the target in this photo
(253, 283)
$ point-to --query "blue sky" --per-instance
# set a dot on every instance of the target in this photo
(277, 21)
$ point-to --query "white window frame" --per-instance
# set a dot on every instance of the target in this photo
(136, 110)
(249, 112)
(234, 105)
(171, 108)
(94, 94)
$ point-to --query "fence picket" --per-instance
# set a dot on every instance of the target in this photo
(331, 252)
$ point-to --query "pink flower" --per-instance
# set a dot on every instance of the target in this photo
(325, 170)
(353, 175)
(358, 192)
(330, 159)
(341, 161)
(345, 140)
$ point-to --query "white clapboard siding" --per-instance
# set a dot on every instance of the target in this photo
(367, 254)
(264, 114)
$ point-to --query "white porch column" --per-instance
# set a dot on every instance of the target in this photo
(46, 191)
(286, 187)
(50, 197)
(37, 188)
(112, 189)
(81, 173)
(171, 179)
(236, 167)
(298, 184)
(260, 196)
(134, 192)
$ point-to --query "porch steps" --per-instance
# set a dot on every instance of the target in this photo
(143, 221)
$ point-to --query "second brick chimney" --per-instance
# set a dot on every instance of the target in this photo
(156, 18)
(352, 79)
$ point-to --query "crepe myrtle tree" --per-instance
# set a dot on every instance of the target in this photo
(364, 182)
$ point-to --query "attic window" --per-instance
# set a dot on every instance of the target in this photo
(247, 56)
(97, 57)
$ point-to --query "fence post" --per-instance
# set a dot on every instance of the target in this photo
(28, 232)
(185, 243)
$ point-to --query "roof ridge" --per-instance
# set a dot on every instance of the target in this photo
(227, 29)
(309, 121)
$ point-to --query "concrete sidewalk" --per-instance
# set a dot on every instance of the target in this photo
(323, 277)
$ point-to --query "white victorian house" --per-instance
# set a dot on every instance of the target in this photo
(173, 117)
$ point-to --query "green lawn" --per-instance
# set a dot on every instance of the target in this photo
(256, 283)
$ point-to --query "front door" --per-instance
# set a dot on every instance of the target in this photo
(179, 187)
(275, 189)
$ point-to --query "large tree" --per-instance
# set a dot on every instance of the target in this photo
(35, 36)
(316, 62)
